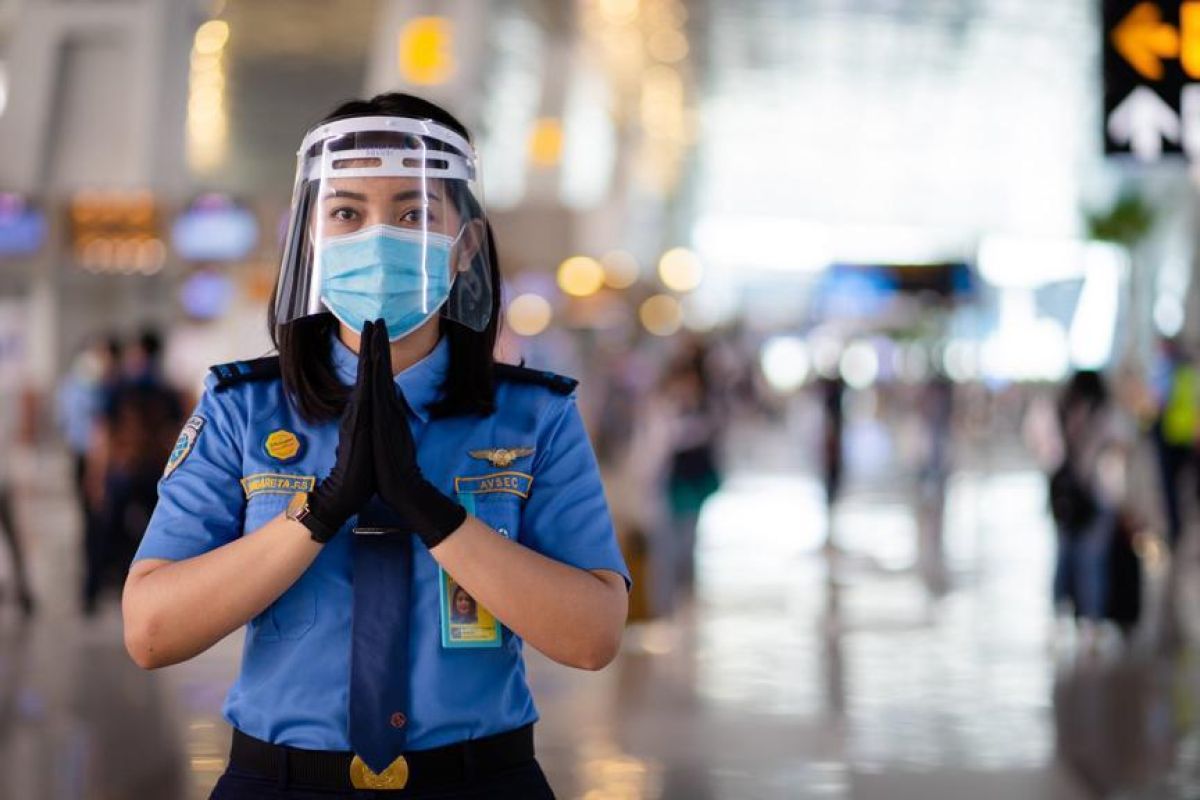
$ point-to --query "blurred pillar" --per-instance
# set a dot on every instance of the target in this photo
(432, 48)
(460, 54)
(1191, 298)
(96, 101)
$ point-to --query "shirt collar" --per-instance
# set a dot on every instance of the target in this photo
(421, 382)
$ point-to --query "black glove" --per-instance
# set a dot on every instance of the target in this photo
(430, 514)
(351, 482)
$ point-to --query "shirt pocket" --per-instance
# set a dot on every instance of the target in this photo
(262, 508)
(289, 617)
(295, 612)
(501, 511)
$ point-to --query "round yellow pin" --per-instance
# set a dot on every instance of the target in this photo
(282, 445)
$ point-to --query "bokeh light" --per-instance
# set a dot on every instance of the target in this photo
(207, 119)
(529, 314)
(680, 269)
(785, 363)
(546, 142)
(859, 365)
(1168, 314)
(661, 315)
(580, 276)
(425, 50)
(618, 12)
(668, 46)
(211, 37)
(826, 354)
(621, 269)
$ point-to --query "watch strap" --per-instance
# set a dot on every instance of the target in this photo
(299, 510)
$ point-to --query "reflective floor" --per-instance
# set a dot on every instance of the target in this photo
(797, 671)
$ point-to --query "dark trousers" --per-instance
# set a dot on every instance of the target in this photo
(8, 528)
(1173, 462)
(522, 782)
(116, 531)
(1081, 571)
(93, 529)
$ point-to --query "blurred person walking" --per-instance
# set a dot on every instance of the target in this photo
(936, 410)
(631, 435)
(832, 392)
(9, 434)
(82, 397)
(134, 436)
(1096, 573)
(1175, 430)
(693, 474)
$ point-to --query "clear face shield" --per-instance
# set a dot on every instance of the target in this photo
(387, 223)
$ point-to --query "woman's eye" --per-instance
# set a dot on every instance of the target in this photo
(415, 216)
(344, 214)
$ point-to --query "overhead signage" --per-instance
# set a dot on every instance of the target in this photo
(861, 291)
(1152, 78)
(116, 232)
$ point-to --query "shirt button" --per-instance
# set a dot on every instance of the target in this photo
(398, 720)
(503, 532)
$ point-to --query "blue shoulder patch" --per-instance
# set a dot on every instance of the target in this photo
(559, 384)
(235, 372)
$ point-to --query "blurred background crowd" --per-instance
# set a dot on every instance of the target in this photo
(888, 340)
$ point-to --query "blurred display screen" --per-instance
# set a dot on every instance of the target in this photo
(215, 228)
(952, 280)
(116, 232)
(206, 295)
(22, 227)
(862, 290)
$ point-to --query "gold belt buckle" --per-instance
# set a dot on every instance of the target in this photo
(394, 777)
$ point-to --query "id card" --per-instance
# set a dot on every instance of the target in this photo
(465, 623)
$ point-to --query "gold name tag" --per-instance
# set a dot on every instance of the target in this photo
(277, 483)
(517, 483)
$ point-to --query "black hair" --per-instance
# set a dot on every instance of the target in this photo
(1089, 386)
(304, 344)
(1086, 388)
(111, 346)
(150, 343)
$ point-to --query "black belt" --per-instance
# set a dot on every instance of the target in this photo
(441, 767)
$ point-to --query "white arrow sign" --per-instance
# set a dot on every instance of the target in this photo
(1189, 113)
(1142, 120)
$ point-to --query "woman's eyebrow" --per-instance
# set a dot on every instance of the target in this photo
(346, 194)
(411, 194)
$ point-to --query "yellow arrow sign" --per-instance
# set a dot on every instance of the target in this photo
(1143, 39)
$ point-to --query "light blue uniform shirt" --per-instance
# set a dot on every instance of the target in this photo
(293, 688)
(79, 403)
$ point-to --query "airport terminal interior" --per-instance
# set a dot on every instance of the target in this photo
(886, 336)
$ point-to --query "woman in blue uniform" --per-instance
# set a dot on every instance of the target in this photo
(336, 498)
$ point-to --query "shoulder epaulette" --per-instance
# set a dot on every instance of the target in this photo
(235, 372)
(559, 384)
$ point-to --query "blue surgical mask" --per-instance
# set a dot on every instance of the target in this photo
(400, 276)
